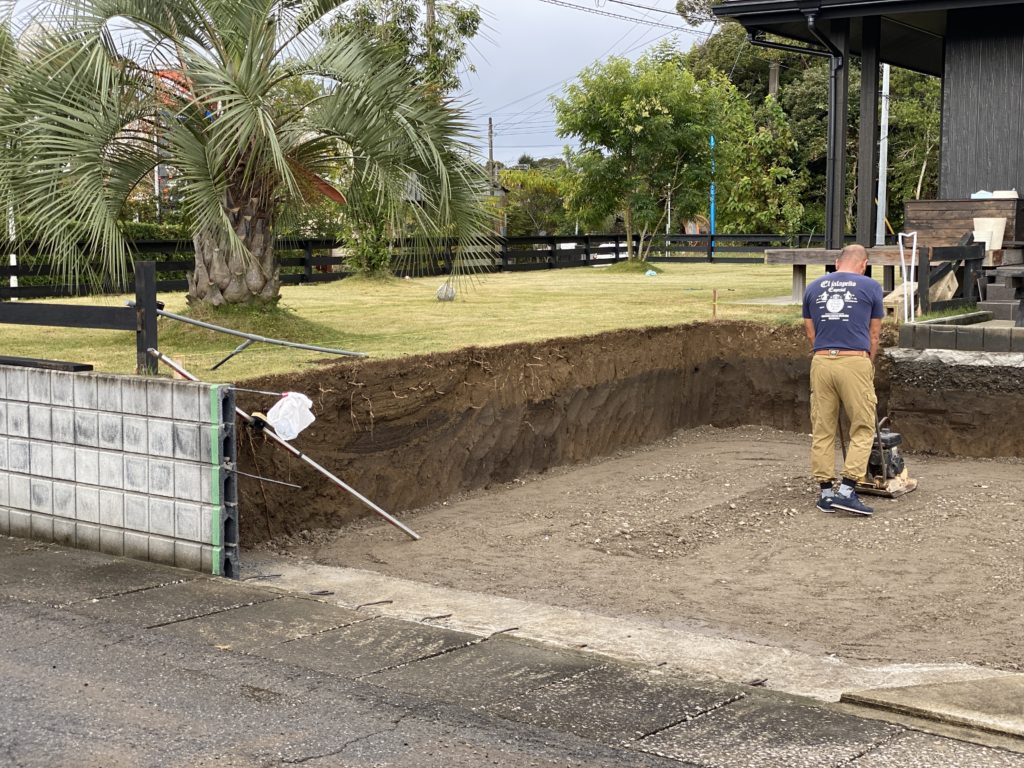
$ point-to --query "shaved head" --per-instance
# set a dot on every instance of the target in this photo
(853, 258)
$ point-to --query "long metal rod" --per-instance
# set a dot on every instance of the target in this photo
(295, 451)
(253, 336)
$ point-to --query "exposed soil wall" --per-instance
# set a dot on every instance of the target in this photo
(417, 430)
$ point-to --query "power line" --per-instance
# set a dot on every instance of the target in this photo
(623, 17)
(651, 8)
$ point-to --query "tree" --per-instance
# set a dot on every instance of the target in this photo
(195, 84)
(534, 204)
(642, 141)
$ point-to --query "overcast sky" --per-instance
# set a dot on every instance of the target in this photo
(530, 49)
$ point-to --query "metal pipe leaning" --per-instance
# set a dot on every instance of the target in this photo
(253, 336)
(294, 451)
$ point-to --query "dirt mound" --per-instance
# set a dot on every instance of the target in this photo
(413, 431)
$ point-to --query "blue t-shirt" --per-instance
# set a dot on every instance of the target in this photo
(842, 305)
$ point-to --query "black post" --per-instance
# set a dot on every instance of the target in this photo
(867, 153)
(711, 248)
(838, 110)
(145, 317)
(504, 254)
(924, 279)
(586, 249)
(617, 237)
(307, 262)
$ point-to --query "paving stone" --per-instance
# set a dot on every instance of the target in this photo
(30, 574)
(264, 625)
(171, 602)
(359, 649)
(615, 703)
(487, 672)
(756, 732)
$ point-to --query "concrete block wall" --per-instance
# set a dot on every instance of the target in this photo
(127, 465)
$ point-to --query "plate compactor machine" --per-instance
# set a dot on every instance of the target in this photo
(887, 472)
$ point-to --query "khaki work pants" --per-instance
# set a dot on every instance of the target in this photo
(848, 381)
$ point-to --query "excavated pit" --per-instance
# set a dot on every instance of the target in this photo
(414, 431)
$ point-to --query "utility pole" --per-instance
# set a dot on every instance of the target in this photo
(490, 152)
(428, 28)
(883, 160)
(773, 78)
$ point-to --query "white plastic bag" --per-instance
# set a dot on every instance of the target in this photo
(290, 415)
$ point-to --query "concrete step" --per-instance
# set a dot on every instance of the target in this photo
(1000, 292)
(1001, 310)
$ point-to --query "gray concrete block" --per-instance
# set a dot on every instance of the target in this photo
(187, 404)
(206, 566)
(62, 388)
(62, 422)
(111, 470)
(87, 504)
(161, 518)
(209, 485)
(41, 492)
(110, 434)
(907, 335)
(133, 396)
(3, 381)
(3, 453)
(159, 398)
(41, 459)
(207, 436)
(87, 536)
(136, 474)
(1017, 339)
(210, 517)
(108, 393)
(19, 492)
(19, 455)
(136, 435)
(39, 427)
(17, 419)
(3, 417)
(161, 477)
(5, 498)
(112, 541)
(64, 500)
(161, 438)
(136, 545)
(17, 384)
(161, 550)
(64, 462)
(970, 338)
(42, 527)
(942, 337)
(136, 512)
(21, 523)
(997, 339)
(87, 466)
(64, 531)
(5, 521)
(186, 442)
(112, 508)
(187, 522)
(85, 391)
(39, 385)
(187, 482)
(188, 555)
(86, 430)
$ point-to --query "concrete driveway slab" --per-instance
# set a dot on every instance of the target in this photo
(263, 625)
(616, 704)
(365, 647)
(755, 732)
(487, 672)
(919, 750)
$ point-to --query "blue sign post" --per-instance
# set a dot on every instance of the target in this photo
(711, 230)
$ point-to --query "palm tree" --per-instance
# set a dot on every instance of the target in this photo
(99, 92)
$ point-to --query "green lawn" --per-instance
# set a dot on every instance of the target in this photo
(402, 317)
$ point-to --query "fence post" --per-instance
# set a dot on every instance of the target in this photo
(504, 254)
(617, 236)
(307, 262)
(711, 248)
(586, 249)
(145, 317)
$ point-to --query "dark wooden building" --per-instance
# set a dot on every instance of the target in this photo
(975, 46)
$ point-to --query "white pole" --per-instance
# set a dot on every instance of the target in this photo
(11, 233)
(883, 160)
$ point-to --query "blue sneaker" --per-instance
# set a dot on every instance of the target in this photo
(852, 504)
(825, 503)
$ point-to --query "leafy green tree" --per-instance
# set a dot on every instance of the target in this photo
(642, 139)
(109, 88)
(534, 203)
(757, 188)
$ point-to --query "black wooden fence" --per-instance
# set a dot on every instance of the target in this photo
(311, 260)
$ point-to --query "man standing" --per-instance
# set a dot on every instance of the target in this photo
(843, 318)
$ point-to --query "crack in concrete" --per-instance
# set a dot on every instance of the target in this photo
(875, 747)
(690, 718)
(326, 630)
(349, 743)
(212, 613)
(442, 652)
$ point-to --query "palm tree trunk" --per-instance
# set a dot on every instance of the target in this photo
(221, 277)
